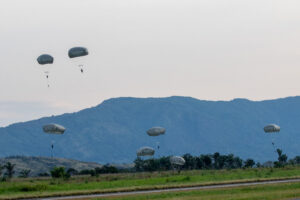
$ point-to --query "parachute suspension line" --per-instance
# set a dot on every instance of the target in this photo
(81, 68)
(47, 77)
(274, 146)
(158, 152)
(52, 146)
(48, 83)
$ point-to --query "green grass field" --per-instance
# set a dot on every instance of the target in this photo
(266, 192)
(18, 188)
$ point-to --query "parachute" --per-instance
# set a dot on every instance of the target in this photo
(45, 59)
(177, 160)
(145, 151)
(54, 129)
(156, 131)
(272, 128)
(78, 52)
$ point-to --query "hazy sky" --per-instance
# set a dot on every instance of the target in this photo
(207, 49)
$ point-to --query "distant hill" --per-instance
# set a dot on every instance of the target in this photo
(112, 131)
(45, 164)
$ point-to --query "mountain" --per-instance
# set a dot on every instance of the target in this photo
(38, 165)
(112, 131)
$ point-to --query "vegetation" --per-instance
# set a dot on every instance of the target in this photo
(147, 174)
(208, 161)
(267, 192)
(1, 169)
(59, 172)
(41, 187)
(282, 159)
(249, 163)
(24, 173)
(9, 169)
(204, 161)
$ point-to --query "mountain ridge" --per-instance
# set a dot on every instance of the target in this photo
(188, 97)
(102, 133)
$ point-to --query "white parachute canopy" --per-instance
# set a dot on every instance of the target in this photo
(54, 129)
(145, 151)
(272, 128)
(156, 131)
(177, 160)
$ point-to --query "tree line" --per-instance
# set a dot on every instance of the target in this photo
(210, 161)
(204, 161)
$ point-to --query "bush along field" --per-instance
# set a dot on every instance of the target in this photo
(146, 174)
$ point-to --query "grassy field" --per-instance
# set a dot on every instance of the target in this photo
(266, 192)
(18, 188)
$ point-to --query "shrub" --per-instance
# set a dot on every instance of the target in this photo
(24, 173)
(43, 174)
(31, 188)
(59, 172)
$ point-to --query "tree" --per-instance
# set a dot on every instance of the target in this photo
(59, 172)
(43, 174)
(106, 169)
(1, 168)
(258, 165)
(190, 161)
(297, 159)
(87, 171)
(237, 162)
(164, 163)
(229, 164)
(9, 169)
(206, 161)
(199, 162)
(138, 164)
(72, 171)
(24, 173)
(222, 161)
(282, 158)
(249, 163)
(216, 160)
(151, 165)
(294, 161)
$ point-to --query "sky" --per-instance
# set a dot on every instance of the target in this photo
(207, 49)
